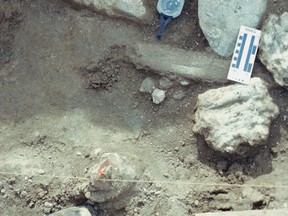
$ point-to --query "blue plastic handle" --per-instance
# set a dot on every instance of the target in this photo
(164, 20)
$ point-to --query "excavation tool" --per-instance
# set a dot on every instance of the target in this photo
(168, 10)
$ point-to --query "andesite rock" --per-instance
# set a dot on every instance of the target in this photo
(234, 118)
(273, 47)
(220, 21)
(109, 193)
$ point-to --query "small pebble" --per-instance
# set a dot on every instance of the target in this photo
(41, 172)
(48, 205)
(31, 204)
(11, 181)
(23, 194)
(3, 191)
(184, 82)
(78, 153)
(166, 175)
(176, 149)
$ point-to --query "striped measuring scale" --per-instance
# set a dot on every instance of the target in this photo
(168, 10)
(244, 55)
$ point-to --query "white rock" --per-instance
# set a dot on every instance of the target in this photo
(238, 114)
(147, 85)
(73, 211)
(133, 9)
(48, 207)
(220, 21)
(273, 47)
(158, 96)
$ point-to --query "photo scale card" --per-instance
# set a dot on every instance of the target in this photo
(244, 55)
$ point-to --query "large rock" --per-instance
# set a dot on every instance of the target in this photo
(273, 47)
(111, 182)
(235, 118)
(220, 21)
(132, 9)
(176, 63)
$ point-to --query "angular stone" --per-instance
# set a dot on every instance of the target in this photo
(73, 211)
(165, 83)
(220, 21)
(158, 96)
(235, 118)
(147, 85)
(112, 166)
(175, 63)
(273, 47)
(132, 9)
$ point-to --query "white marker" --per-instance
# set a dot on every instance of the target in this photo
(244, 55)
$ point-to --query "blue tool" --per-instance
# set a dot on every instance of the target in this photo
(168, 10)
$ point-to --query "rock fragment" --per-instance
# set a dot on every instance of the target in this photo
(273, 47)
(147, 85)
(165, 83)
(131, 9)
(235, 118)
(48, 207)
(73, 211)
(110, 194)
(158, 96)
(220, 21)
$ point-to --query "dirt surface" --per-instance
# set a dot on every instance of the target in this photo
(63, 104)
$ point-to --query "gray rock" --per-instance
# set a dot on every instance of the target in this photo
(158, 96)
(165, 83)
(220, 21)
(179, 95)
(147, 85)
(235, 118)
(253, 195)
(176, 63)
(48, 207)
(73, 211)
(132, 9)
(112, 166)
(273, 47)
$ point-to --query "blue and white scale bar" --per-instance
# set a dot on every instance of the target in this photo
(244, 55)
